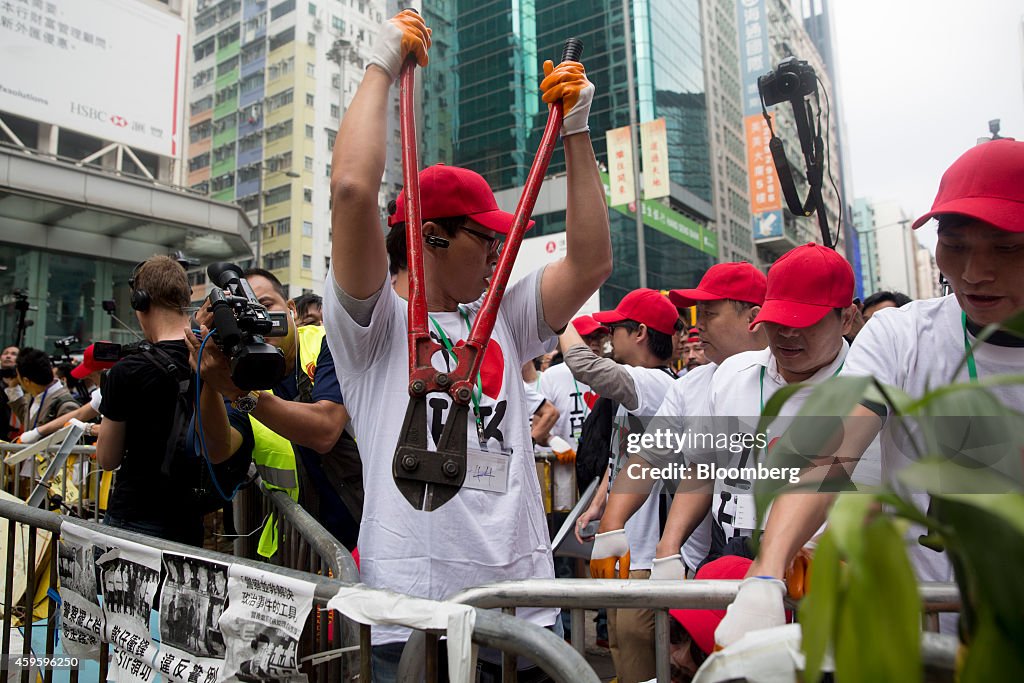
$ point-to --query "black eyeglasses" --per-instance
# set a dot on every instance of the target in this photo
(493, 243)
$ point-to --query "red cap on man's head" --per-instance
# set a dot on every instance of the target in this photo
(586, 326)
(738, 281)
(693, 336)
(449, 191)
(645, 306)
(701, 623)
(987, 184)
(89, 364)
(804, 284)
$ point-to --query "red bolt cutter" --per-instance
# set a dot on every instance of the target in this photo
(429, 479)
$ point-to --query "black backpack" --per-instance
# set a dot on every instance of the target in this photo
(594, 447)
(185, 466)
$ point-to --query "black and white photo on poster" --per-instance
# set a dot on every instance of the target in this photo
(129, 580)
(262, 625)
(82, 621)
(193, 595)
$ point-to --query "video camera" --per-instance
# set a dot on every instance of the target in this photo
(792, 79)
(64, 345)
(242, 323)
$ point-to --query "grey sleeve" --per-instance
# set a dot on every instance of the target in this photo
(603, 375)
(360, 310)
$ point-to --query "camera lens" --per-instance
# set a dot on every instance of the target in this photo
(789, 83)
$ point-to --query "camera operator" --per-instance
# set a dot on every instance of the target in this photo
(304, 410)
(139, 407)
(10, 426)
(38, 398)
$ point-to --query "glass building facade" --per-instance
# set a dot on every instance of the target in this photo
(489, 75)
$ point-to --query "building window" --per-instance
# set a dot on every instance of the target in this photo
(338, 24)
(278, 227)
(279, 100)
(205, 49)
(281, 9)
(307, 230)
(336, 81)
(331, 135)
(335, 111)
(282, 68)
(307, 261)
(307, 194)
(279, 194)
(312, 10)
(283, 38)
(201, 161)
(309, 98)
(279, 131)
(276, 260)
(328, 170)
(309, 131)
(200, 131)
(311, 39)
(199, 106)
(310, 69)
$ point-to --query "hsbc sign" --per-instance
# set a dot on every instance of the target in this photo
(112, 69)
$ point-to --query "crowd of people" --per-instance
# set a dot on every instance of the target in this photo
(711, 353)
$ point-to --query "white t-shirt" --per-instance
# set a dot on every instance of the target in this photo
(913, 348)
(573, 400)
(687, 397)
(477, 537)
(95, 399)
(738, 390)
(642, 529)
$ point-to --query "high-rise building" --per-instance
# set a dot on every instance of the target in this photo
(268, 84)
(91, 127)
(888, 247)
(770, 32)
(485, 113)
(725, 131)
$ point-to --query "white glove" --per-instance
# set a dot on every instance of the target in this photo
(78, 423)
(568, 82)
(401, 35)
(610, 548)
(31, 436)
(758, 605)
(668, 568)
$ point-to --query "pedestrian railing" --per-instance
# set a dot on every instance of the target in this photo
(578, 595)
(491, 629)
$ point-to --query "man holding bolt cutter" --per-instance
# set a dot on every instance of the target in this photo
(437, 539)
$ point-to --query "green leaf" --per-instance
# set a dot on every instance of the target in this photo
(885, 394)
(942, 476)
(1014, 325)
(880, 629)
(846, 522)
(818, 610)
(991, 656)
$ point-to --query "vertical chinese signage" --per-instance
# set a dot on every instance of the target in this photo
(654, 144)
(620, 162)
(755, 60)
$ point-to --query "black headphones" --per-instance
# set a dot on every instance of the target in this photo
(139, 298)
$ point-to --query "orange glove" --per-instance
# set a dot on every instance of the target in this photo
(797, 575)
(568, 82)
(610, 548)
(404, 34)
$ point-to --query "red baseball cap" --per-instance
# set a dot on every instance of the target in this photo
(804, 284)
(645, 306)
(693, 335)
(987, 184)
(89, 364)
(701, 623)
(586, 326)
(448, 191)
(738, 281)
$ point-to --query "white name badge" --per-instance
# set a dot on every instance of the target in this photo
(746, 511)
(487, 470)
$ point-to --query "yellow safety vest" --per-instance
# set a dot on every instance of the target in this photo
(273, 454)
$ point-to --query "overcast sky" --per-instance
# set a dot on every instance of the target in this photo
(919, 81)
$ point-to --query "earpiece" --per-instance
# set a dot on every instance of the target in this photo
(435, 241)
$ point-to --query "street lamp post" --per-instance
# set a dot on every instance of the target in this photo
(259, 211)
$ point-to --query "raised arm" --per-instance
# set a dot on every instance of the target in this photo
(359, 260)
(568, 283)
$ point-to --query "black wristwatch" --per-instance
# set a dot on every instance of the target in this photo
(246, 403)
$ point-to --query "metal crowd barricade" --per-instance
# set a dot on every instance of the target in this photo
(89, 474)
(579, 595)
(492, 629)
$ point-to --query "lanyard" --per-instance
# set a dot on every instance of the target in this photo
(972, 368)
(477, 394)
(764, 368)
(42, 400)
